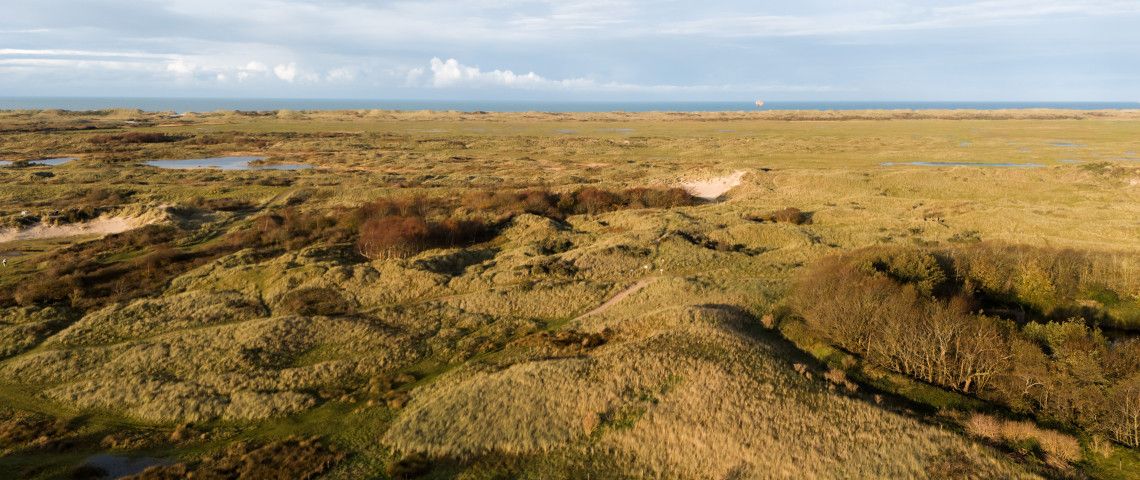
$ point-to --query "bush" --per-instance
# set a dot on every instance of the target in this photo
(134, 137)
(316, 301)
(405, 236)
(788, 215)
(587, 200)
(1058, 449)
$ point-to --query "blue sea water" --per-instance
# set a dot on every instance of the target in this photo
(263, 104)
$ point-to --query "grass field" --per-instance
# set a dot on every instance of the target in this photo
(247, 314)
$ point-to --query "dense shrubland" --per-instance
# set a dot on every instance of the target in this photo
(140, 262)
(114, 268)
(398, 228)
(995, 321)
(134, 137)
(588, 200)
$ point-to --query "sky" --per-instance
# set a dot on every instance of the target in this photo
(958, 50)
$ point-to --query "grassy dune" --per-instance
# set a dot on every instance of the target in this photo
(256, 315)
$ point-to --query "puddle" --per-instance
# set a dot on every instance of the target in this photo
(225, 163)
(964, 164)
(566, 132)
(1069, 161)
(117, 466)
(616, 130)
(45, 162)
(965, 144)
(1066, 144)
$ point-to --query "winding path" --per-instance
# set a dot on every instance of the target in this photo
(620, 296)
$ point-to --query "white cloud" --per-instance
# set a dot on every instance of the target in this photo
(53, 63)
(256, 67)
(181, 67)
(286, 72)
(914, 16)
(82, 53)
(452, 74)
(341, 75)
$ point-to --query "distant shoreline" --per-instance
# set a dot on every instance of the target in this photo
(200, 105)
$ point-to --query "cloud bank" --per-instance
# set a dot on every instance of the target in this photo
(900, 49)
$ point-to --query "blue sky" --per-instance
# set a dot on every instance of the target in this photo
(1047, 50)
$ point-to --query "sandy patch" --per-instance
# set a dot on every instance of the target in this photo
(713, 188)
(99, 226)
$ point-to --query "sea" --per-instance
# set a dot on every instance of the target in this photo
(183, 105)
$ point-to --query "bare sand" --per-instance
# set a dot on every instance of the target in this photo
(99, 226)
(714, 188)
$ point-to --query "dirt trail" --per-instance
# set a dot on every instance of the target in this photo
(619, 297)
(99, 226)
(714, 188)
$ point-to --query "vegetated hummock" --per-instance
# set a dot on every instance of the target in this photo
(477, 295)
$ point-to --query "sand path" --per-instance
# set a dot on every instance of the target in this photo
(99, 226)
(619, 297)
(714, 188)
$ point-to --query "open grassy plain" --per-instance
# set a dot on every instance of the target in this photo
(487, 295)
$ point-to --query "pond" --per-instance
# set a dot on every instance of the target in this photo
(117, 466)
(965, 164)
(45, 162)
(225, 163)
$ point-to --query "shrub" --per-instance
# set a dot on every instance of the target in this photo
(393, 237)
(788, 215)
(316, 301)
(587, 200)
(134, 137)
(1059, 449)
(404, 236)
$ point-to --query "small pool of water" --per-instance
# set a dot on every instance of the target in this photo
(964, 164)
(225, 163)
(44, 162)
(1066, 144)
(117, 466)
